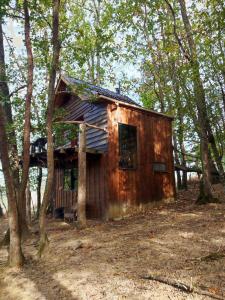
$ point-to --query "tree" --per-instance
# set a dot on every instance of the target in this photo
(27, 121)
(50, 110)
(15, 252)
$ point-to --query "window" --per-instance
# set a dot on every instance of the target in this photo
(70, 180)
(127, 146)
(159, 167)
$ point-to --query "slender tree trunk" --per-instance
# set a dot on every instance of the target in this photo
(26, 132)
(1, 211)
(98, 59)
(3, 204)
(81, 201)
(28, 204)
(50, 110)
(216, 155)
(4, 94)
(15, 252)
(184, 176)
(176, 157)
(203, 120)
(10, 171)
(180, 131)
(39, 181)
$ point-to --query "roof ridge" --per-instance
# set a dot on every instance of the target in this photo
(101, 90)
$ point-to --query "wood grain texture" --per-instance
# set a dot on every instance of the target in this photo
(110, 189)
(140, 185)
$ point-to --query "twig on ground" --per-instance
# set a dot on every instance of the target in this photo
(211, 257)
(181, 286)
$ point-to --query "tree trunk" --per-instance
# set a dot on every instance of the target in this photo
(81, 201)
(183, 162)
(216, 155)
(5, 98)
(98, 59)
(26, 132)
(28, 204)
(201, 106)
(10, 175)
(39, 181)
(176, 157)
(1, 211)
(15, 252)
(50, 110)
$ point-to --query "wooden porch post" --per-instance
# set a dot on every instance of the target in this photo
(81, 199)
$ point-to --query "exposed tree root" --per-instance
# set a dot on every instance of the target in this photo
(202, 199)
(181, 286)
(205, 199)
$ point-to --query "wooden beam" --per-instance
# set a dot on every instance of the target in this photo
(187, 169)
(82, 122)
(82, 180)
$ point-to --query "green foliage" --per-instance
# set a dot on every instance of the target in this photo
(100, 38)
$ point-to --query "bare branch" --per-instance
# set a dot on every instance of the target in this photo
(17, 90)
(186, 55)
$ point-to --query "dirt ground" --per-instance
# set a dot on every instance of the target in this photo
(107, 260)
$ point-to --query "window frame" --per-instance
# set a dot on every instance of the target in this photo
(134, 167)
(159, 163)
(71, 173)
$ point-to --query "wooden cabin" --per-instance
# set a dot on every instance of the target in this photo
(129, 164)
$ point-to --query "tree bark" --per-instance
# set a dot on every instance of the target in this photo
(5, 97)
(81, 201)
(97, 27)
(15, 252)
(10, 172)
(39, 181)
(28, 204)
(1, 211)
(27, 116)
(176, 157)
(199, 93)
(50, 110)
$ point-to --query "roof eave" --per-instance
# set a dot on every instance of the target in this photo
(135, 107)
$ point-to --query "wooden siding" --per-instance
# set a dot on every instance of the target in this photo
(63, 198)
(111, 190)
(93, 113)
(95, 187)
(75, 108)
(140, 185)
(97, 139)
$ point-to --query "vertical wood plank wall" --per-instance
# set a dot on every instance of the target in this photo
(113, 190)
(62, 198)
(95, 188)
(141, 185)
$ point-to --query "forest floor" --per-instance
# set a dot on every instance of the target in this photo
(179, 241)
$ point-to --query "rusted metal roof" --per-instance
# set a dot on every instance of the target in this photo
(99, 90)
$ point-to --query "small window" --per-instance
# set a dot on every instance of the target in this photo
(127, 146)
(70, 180)
(159, 167)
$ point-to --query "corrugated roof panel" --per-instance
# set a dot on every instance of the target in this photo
(99, 90)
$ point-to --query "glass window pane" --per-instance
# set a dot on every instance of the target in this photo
(67, 180)
(127, 146)
(159, 167)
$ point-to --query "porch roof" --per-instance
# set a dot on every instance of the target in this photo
(60, 153)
